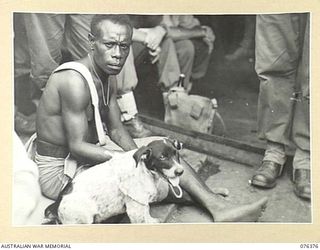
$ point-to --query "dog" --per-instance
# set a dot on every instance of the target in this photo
(128, 182)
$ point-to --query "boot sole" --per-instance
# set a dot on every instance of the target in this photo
(263, 184)
(304, 196)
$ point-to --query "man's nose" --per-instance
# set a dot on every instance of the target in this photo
(116, 51)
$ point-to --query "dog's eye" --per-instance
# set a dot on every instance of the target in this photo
(162, 158)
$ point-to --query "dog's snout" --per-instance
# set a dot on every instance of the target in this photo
(178, 171)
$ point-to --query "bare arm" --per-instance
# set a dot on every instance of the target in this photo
(139, 35)
(75, 98)
(151, 38)
(204, 32)
(179, 33)
(117, 132)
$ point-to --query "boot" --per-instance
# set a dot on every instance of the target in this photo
(302, 187)
(267, 174)
(239, 53)
(135, 128)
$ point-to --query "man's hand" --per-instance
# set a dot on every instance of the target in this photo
(209, 37)
(209, 43)
(154, 37)
(209, 33)
(155, 54)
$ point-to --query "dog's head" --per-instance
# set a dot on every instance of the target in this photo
(162, 156)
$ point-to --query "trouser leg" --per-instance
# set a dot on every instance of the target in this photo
(247, 41)
(277, 54)
(168, 65)
(76, 34)
(186, 53)
(45, 35)
(275, 152)
(201, 59)
(301, 118)
(127, 79)
(126, 82)
(22, 67)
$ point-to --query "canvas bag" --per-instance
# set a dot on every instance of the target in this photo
(192, 112)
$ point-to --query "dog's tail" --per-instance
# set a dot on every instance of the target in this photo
(51, 212)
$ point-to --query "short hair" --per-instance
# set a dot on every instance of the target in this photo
(117, 19)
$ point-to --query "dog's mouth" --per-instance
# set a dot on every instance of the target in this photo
(174, 181)
(174, 184)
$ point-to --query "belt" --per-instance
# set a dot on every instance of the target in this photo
(50, 149)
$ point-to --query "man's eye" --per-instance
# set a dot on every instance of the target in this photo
(124, 46)
(109, 45)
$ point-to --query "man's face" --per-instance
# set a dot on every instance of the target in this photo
(112, 46)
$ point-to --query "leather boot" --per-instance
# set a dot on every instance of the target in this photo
(136, 129)
(302, 187)
(267, 174)
(239, 53)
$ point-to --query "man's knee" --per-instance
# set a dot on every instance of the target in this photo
(185, 49)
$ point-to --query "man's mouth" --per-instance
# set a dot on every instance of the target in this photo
(114, 66)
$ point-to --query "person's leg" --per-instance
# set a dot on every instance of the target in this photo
(51, 175)
(45, 35)
(301, 119)
(127, 81)
(186, 54)
(221, 210)
(24, 119)
(246, 46)
(201, 59)
(271, 167)
(195, 191)
(22, 67)
(168, 65)
(276, 66)
(76, 35)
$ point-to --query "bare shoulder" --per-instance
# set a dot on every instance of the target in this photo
(72, 88)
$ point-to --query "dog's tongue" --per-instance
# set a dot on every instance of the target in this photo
(174, 181)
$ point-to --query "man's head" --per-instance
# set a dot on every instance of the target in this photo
(110, 40)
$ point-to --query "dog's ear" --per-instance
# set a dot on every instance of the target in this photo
(142, 153)
(175, 143)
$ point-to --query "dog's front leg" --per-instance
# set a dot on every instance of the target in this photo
(139, 213)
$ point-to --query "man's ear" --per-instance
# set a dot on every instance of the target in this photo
(91, 39)
(142, 153)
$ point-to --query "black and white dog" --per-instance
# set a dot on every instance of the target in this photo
(126, 183)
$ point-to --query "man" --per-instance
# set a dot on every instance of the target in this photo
(151, 45)
(193, 43)
(282, 64)
(66, 127)
(42, 42)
